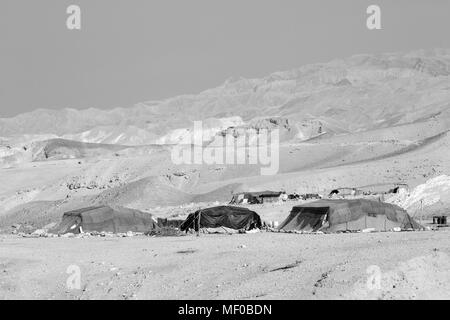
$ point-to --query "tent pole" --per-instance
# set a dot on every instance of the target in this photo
(198, 223)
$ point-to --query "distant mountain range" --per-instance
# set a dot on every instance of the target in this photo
(360, 93)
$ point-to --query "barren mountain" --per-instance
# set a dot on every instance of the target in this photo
(363, 92)
(364, 120)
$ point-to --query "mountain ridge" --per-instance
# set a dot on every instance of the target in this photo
(359, 93)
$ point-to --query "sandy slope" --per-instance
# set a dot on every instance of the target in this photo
(249, 266)
(149, 180)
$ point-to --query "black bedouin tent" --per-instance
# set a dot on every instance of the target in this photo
(222, 216)
(106, 218)
(342, 215)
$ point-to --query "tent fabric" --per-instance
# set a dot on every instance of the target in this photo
(255, 197)
(222, 216)
(245, 198)
(266, 194)
(107, 219)
(347, 215)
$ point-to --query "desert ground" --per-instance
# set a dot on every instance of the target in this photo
(413, 265)
(369, 122)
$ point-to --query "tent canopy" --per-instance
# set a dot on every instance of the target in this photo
(222, 216)
(340, 215)
(106, 218)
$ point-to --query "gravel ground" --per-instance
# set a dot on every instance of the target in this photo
(412, 265)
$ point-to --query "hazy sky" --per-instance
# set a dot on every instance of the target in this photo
(138, 50)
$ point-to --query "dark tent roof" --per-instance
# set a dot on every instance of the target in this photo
(222, 216)
(266, 193)
(341, 215)
(106, 218)
(254, 197)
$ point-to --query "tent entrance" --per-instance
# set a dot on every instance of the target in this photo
(313, 218)
(306, 219)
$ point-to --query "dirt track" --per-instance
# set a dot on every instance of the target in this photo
(251, 266)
